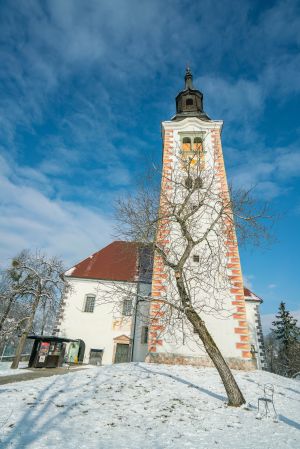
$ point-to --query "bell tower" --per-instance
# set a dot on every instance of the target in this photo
(192, 138)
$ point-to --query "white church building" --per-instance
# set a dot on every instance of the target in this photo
(105, 305)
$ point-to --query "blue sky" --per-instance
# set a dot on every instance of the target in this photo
(84, 87)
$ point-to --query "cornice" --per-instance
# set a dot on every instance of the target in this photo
(195, 122)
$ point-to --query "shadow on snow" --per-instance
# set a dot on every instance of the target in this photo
(185, 382)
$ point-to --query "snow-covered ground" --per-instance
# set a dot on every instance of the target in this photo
(145, 406)
(6, 371)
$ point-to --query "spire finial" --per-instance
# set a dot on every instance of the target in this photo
(188, 78)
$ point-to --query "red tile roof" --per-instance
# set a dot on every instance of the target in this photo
(250, 295)
(117, 261)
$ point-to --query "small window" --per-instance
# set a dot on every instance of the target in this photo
(189, 102)
(186, 143)
(198, 144)
(89, 304)
(127, 307)
(144, 335)
(196, 258)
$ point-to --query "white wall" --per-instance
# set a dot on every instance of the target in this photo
(222, 331)
(140, 350)
(97, 329)
(251, 307)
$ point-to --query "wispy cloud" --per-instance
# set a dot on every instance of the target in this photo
(237, 99)
(32, 219)
(248, 280)
(270, 170)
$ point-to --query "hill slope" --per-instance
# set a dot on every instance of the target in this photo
(145, 406)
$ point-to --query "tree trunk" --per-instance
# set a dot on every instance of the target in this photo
(234, 394)
(43, 320)
(6, 312)
(21, 344)
(23, 338)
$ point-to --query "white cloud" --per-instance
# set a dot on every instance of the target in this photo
(31, 219)
(288, 163)
(248, 280)
(235, 100)
(267, 319)
(270, 172)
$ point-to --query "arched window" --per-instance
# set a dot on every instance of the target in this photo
(186, 143)
(189, 102)
(197, 144)
(89, 304)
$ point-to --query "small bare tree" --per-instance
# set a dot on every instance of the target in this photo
(32, 282)
(192, 215)
(12, 310)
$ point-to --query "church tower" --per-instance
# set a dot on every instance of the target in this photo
(192, 153)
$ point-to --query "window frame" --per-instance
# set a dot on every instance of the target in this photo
(186, 144)
(126, 310)
(87, 307)
(191, 136)
(144, 335)
(198, 143)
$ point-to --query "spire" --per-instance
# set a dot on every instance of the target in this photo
(189, 102)
(188, 78)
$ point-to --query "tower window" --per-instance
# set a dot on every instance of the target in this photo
(89, 305)
(196, 258)
(186, 143)
(186, 140)
(197, 143)
(189, 102)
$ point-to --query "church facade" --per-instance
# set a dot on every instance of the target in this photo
(98, 307)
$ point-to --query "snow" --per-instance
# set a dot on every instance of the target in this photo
(145, 406)
(6, 371)
(70, 271)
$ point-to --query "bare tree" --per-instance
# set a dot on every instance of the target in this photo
(34, 281)
(12, 311)
(192, 215)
